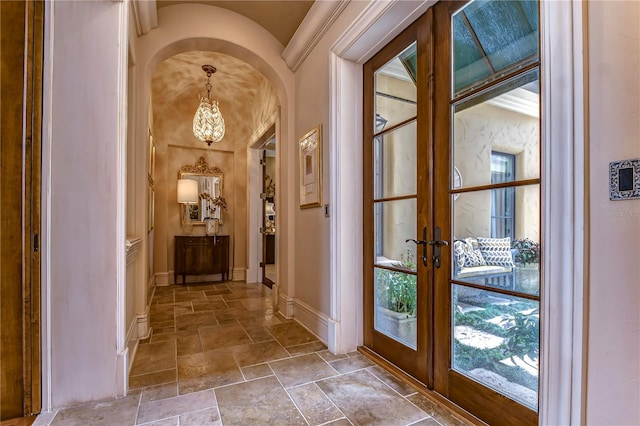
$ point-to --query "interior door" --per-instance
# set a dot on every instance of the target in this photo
(267, 228)
(397, 203)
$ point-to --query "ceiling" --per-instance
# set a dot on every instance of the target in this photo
(280, 17)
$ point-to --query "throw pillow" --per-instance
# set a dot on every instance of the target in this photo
(496, 251)
(460, 253)
(473, 255)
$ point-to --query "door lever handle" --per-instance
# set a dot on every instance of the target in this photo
(417, 242)
(437, 243)
(423, 242)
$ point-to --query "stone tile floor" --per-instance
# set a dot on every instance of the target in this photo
(219, 355)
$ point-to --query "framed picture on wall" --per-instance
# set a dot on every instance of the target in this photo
(310, 149)
(150, 207)
(152, 158)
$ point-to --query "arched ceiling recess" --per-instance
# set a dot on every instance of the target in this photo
(242, 92)
(196, 27)
(280, 17)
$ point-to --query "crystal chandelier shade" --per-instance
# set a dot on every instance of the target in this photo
(208, 124)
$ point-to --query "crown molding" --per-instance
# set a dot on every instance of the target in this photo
(380, 21)
(314, 25)
(145, 15)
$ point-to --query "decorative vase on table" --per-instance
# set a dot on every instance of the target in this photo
(212, 226)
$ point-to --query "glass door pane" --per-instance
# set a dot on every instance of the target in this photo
(395, 199)
(494, 286)
(395, 278)
(395, 311)
(495, 331)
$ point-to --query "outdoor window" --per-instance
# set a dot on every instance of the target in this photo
(503, 200)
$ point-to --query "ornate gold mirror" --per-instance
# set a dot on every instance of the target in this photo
(210, 186)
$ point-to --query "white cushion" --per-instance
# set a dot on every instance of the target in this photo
(496, 251)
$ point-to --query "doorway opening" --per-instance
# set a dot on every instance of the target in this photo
(268, 228)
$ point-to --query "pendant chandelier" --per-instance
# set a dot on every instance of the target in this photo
(208, 124)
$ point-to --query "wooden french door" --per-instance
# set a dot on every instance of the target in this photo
(452, 205)
(398, 203)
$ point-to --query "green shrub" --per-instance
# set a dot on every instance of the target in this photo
(528, 251)
(396, 291)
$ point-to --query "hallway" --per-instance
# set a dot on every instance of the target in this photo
(220, 356)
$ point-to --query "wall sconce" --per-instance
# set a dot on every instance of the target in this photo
(187, 194)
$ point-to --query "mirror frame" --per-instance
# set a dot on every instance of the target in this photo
(201, 168)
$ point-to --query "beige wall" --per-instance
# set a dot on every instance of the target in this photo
(613, 372)
(311, 236)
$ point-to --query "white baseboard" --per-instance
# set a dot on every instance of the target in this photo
(132, 342)
(285, 305)
(122, 372)
(253, 275)
(312, 319)
(161, 278)
(142, 322)
(239, 274)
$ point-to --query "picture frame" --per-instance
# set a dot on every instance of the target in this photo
(151, 159)
(150, 207)
(310, 172)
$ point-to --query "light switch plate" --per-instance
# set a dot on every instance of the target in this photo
(624, 180)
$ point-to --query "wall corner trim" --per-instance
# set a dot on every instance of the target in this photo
(122, 372)
(314, 25)
(145, 15)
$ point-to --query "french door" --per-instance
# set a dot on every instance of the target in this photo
(397, 205)
(449, 298)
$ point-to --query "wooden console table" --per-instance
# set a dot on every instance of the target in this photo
(201, 255)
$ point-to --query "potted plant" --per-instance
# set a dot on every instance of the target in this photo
(396, 300)
(528, 251)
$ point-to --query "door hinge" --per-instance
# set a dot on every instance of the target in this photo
(262, 264)
(263, 162)
(36, 244)
(263, 195)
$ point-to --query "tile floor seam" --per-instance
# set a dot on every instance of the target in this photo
(332, 402)
(135, 419)
(290, 398)
(332, 421)
(183, 397)
(402, 396)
